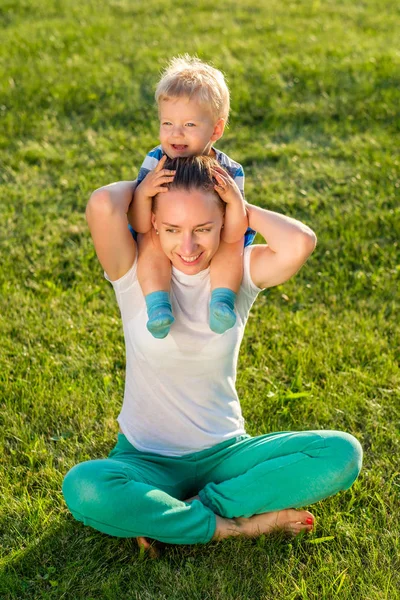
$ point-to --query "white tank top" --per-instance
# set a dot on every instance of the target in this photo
(180, 394)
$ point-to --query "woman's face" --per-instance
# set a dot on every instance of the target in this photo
(189, 225)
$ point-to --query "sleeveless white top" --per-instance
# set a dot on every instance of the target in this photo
(180, 394)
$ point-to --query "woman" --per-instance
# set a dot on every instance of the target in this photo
(184, 470)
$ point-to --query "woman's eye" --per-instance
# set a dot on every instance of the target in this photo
(203, 230)
(171, 230)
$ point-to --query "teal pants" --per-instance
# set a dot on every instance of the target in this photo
(134, 493)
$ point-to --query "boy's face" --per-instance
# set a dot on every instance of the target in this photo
(187, 127)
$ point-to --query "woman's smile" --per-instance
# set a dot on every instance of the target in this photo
(189, 223)
(191, 259)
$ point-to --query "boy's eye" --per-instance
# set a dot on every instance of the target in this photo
(190, 125)
(166, 123)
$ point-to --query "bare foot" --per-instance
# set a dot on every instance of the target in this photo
(192, 498)
(290, 520)
(149, 546)
(152, 547)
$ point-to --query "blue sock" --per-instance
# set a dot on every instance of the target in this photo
(222, 310)
(160, 315)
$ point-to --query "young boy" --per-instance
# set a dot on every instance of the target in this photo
(193, 106)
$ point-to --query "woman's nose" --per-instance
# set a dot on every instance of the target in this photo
(188, 245)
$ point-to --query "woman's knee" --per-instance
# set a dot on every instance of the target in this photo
(347, 452)
(83, 487)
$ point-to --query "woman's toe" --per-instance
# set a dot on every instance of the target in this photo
(304, 517)
(148, 545)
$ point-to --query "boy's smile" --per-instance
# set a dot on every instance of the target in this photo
(180, 148)
(187, 127)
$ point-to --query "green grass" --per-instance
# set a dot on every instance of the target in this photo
(315, 96)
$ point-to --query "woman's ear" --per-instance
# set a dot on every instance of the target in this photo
(153, 220)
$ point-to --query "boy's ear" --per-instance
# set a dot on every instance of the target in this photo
(218, 129)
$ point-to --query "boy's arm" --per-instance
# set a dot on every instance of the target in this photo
(236, 222)
(139, 213)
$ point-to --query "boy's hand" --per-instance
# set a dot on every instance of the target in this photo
(235, 223)
(226, 187)
(155, 181)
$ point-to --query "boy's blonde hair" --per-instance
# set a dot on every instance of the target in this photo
(188, 76)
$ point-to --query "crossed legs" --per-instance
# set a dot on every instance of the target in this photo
(245, 487)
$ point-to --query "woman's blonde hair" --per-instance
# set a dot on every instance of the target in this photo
(188, 76)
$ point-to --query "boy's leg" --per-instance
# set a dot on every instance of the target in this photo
(154, 276)
(118, 496)
(226, 272)
(279, 471)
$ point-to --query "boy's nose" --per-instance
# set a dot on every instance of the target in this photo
(177, 131)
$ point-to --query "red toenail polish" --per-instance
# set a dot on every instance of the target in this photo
(309, 521)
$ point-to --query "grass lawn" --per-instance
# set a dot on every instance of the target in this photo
(315, 122)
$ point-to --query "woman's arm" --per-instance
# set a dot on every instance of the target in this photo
(290, 243)
(106, 214)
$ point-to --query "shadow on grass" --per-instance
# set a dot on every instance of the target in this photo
(72, 562)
